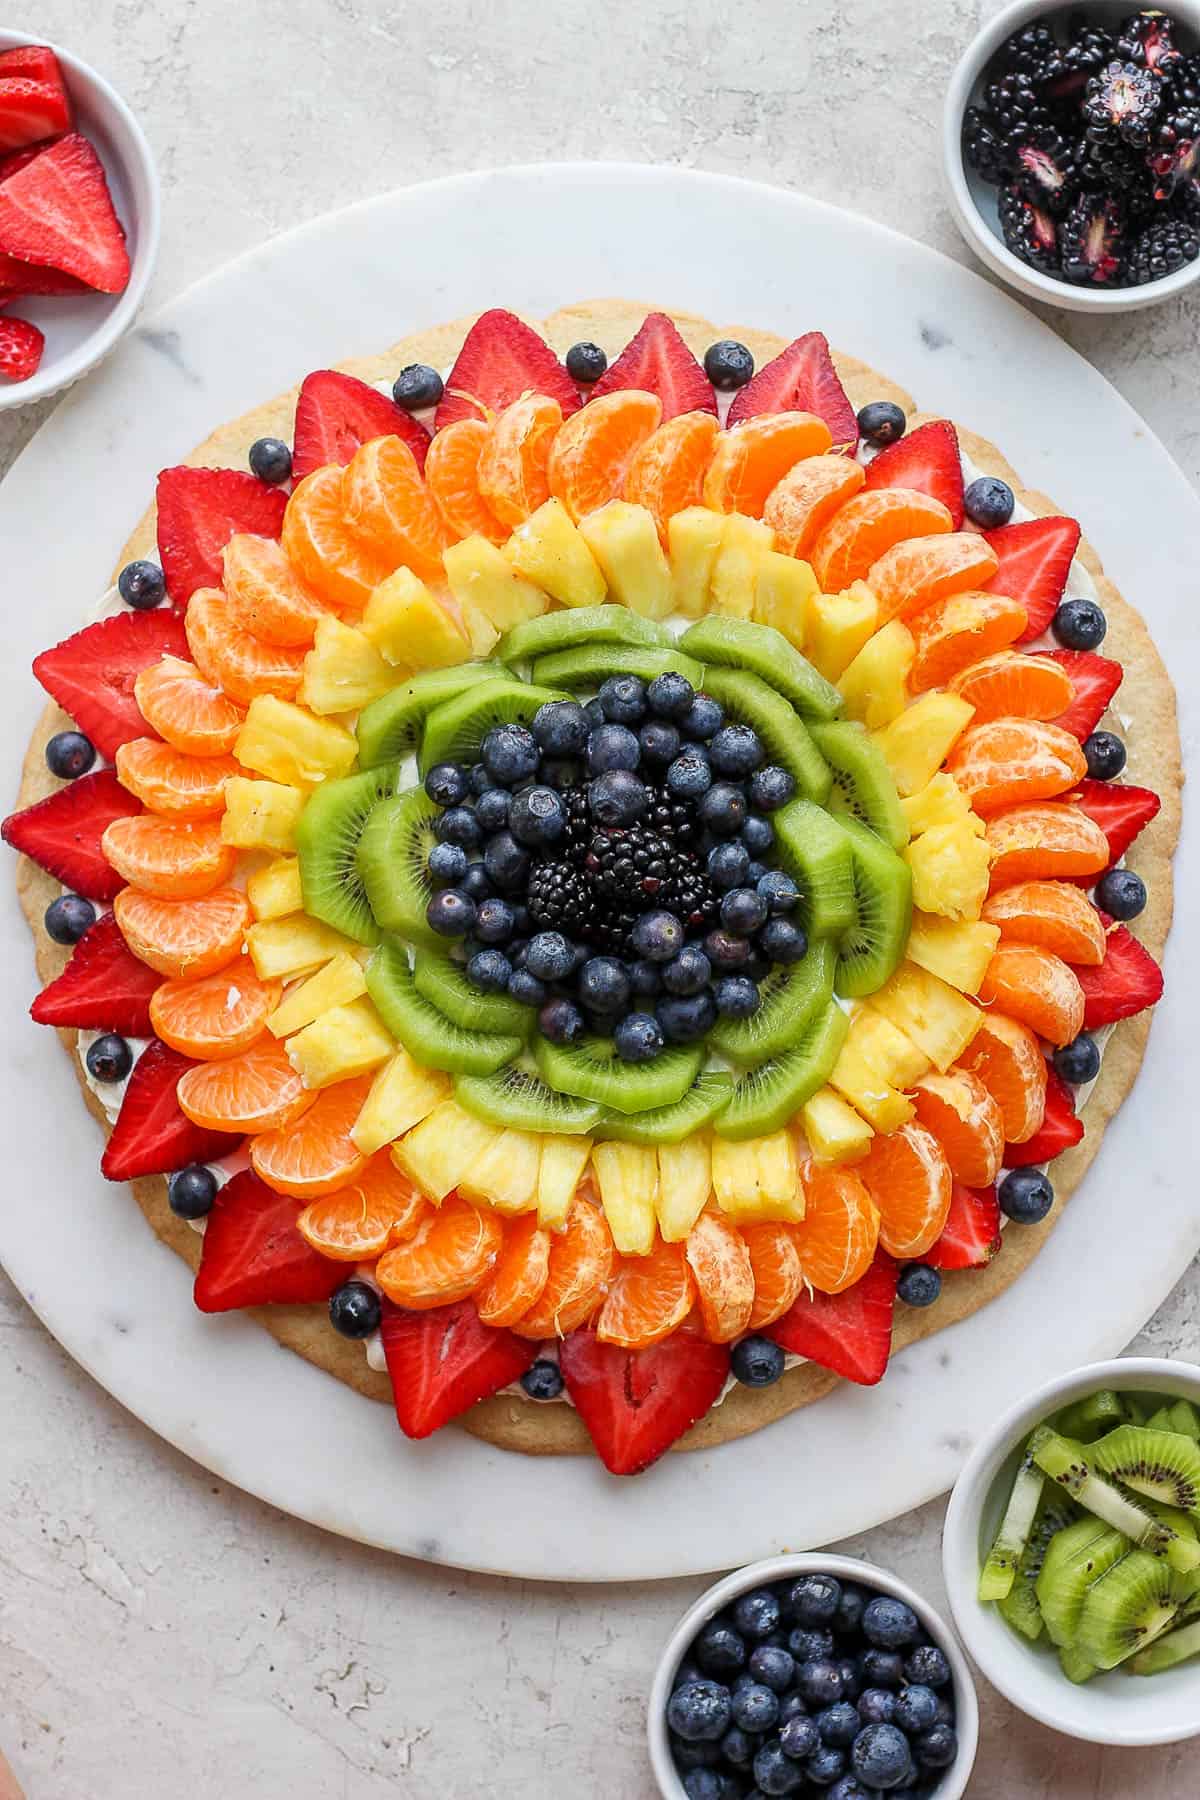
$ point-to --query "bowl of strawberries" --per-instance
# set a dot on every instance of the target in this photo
(79, 218)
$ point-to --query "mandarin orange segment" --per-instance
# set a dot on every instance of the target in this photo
(967, 1122)
(648, 1299)
(775, 1264)
(512, 472)
(231, 659)
(445, 1259)
(952, 634)
(836, 1243)
(317, 1154)
(255, 1092)
(267, 596)
(870, 524)
(1050, 840)
(184, 938)
(170, 782)
(908, 1177)
(387, 501)
(188, 712)
(340, 567)
(581, 1261)
(751, 459)
(720, 1263)
(1010, 761)
(800, 506)
(1055, 914)
(179, 859)
(666, 475)
(596, 446)
(452, 477)
(216, 1016)
(1038, 988)
(1015, 685)
(1008, 1060)
(914, 574)
(357, 1223)
(518, 1275)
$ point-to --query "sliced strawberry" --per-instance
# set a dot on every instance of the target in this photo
(199, 510)
(637, 1403)
(1035, 560)
(253, 1254)
(850, 1333)
(1059, 1128)
(1095, 680)
(17, 277)
(37, 61)
(31, 111)
(91, 674)
(926, 460)
(443, 1360)
(802, 378)
(21, 346)
(62, 833)
(1126, 982)
(971, 1236)
(17, 159)
(58, 210)
(657, 361)
(151, 1135)
(501, 359)
(336, 413)
(103, 988)
(1119, 810)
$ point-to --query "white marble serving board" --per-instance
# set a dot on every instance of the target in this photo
(534, 239)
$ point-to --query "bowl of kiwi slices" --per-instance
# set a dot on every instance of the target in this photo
(1072, 1553)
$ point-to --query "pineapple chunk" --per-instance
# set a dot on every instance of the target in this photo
(627, 1176)
(744, 542)
(919, 741)
(873, 686)
(480, 575)
(835, 1132)
(884, 1045)
(286, 743)
(735, 1179)
(410, 627)
(505, 1175)
(275, 890)
(402, 1094)
(283, 948)
(868, 1090)
(780, 1189)
(260, 815)
(337, 984)
(684, 1185)
(437, 1153)
(950, 865)
(481, 633)
(624, 541)
(929, 1011)
(958, 951)
(343, 671)
(551, 551)
(837, 627)
(564, 1160)
(343, 1043)
(940, 802)
(694, 536)
(783, 589)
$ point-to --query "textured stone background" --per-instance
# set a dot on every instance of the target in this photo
(163, 1634)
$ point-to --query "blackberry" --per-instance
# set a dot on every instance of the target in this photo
(1029, 231)
(575, 839)
(1187, 199)
(1046, 168)
(559, 898)
(1122, 104)
(1147, 39)
(1115, 169)
(1088, 50)
(672, 817)
(985, 150)
(1016, 107)
(1091, 241)
(1160, 250)
(1174, 155)
(637, 869)
(1035, 53)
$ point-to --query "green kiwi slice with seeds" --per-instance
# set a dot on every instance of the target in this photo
(328, 838)
(703, 1102)
(519, 1099)
(427, 1034)
(573, 627)
(455, 729)
(873, 948)
(390, 727)
(789, 996)
(764, 652)
(593, 1070)
(446, 985)
(587, 665)
(751, 701)
(863, 787)
(393, 864)
(765, 1098)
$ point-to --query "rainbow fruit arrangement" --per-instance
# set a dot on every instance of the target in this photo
(593, 874)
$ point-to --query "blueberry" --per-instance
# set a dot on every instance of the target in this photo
(937, 1747)
(811, 1643)
(755, 872)
(849, 1787)
(561, 1021)
(603, 984)
(69, 754)
(889, 1624)
(774, 1770)
(756, 1708)
(509, 754)
(479, 781)
(882, 1668)
(67, 918)
(1025, 1196)
(475, 883)
(542, 1380)
(623, 698)
(916, 1709)
(586, 363)
(638, 1037)
(659, 743)
(489, 971)
(1121, 893)
(142, 585)
(851, 1679)
(191, 1191)
(756, 1614)
(770, 787)
(688, 973)
(779, 891)
(758, 834)
(1077, 1061)
(693, 1756)
(719, 1649)
(270, 460)
(593, 712)
(537, 817)
(728, 364)
(447, 784)
(879, 1755)
(550, 956)
(526, 988)
(505, 862)
(458, 825)
(735, 750)
(737, 997)
(704, 1784)
(814, 1599)
(882, 422)
(561, 727)
(658, 936)
(945, 1705)
(725, 951)
(743, 911)
(770, 1663)
(494, 922)
(645, 978)
(838, 1724)
(561, 773)
(670, 695)
(929, 1667)
(703, 718)
(612, 747)
(757, 1362)
(689, 776)
(685, 1020)
(700, 1711)
(354, 1309)
(722, 808)
(1105, 755)
(109, 1058)
(417, 386)
(800, 1737)
(919, 1285)
(492, 809)
(791, 1706)
(820, 1681)
(617, 798)
(988, 501)
(447, 864)
(1079, 625)
(876, 1706)
(824, 1766)
(782, 941)
(848, 1617)
(451, 913)
(738, 1747)
(727, 864)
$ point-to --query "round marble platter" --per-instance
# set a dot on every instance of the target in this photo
(533, 239)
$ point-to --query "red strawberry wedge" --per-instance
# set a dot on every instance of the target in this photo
(658, 362)
(21, 346)
(444, 1360)
(1095, 680)
(17, 277)
(802, 378)
(1126, 982)
(1035, 560)
(37, 61)
(31, 110)
(199, 510)
(58, 210)
(637, 1403)
(1058, 1131)
(253, 1254)
(501, 359)
(336, 414)
(927, 460)
(91, 674)
(972, 1232)
(62, 833)
(104, 987)
(1119, 810)
(151, 1135)
(849, 1333)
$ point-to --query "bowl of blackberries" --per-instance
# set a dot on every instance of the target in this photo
(812, 1675)
(1071, 141)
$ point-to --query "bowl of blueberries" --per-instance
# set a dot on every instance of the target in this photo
(812, 1675)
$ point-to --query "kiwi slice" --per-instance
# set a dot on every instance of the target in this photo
(390, 727)
(1185, 1420)
(1127, 1608)
(1019, 1607)
(1090, 1418)
(455, 729)
(427, 1034)
(445, 985)
(752, 701)
(569, 629)
(704, 1100)
(999, 1569)
(788, 998)
(589, 664)
(520, 1100)
(1075, 1667)
(592, 1070)
(1067, 1463)
(393, 863)
(328, 837)
(765, 652)
(814, 850)
(872, 949)
(1075, 1557)
(765, 1098)
(862, 782)
(1161, 1464)
(1175, 1647)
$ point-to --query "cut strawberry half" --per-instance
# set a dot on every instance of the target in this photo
(1035, 560)
(927, 460)
(58, 210)
(971, 1236)
(35, 60)
(1095, 680)
(1126, 982)
(31, 110)
(443, 1360)
(17, 159)
(199, 510)
(104, 987)
(253, 1254)
(637, 1403)
(17, 277)
(62, 833)
(1120, 811)
(849, 1333)
(657, 361)
(802, 378)
(336, 414)
(91, 674)
(1059, 1128)
(501, 359)
(21, 346)
(151, 1135)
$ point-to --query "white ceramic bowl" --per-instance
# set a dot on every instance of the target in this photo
(973, 201)
(784, 1568)
(1116, 1708)
(81, 329)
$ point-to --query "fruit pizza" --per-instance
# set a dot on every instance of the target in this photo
(601, 877)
